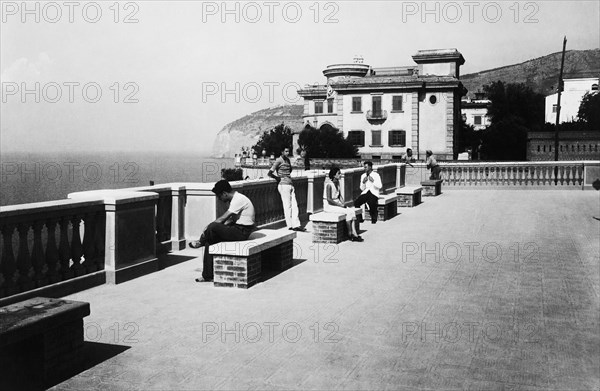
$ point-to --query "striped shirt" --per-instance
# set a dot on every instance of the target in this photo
(283, 170)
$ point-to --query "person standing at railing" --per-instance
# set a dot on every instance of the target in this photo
(285, 186)
(370, 184)
(334, 202)
(237, 223)
(432, 165)
(408, 157)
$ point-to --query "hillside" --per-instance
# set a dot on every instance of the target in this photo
(246, 131)
(540, 73)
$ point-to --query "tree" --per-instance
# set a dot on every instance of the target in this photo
(326, 142)
(505, 140)
(589, 110)
(274, 141)
(515, 109)
(515, 100)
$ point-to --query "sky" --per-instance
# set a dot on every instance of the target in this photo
(167, 76)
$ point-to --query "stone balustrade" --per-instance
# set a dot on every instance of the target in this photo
(507, 175)
(59, 247)
(45, 243)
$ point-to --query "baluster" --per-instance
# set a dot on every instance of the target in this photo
(24, 259)
(37, 256)
(9, 266)
(64, 249)
(573, 174)
(51, 252)
(76, 247)
(494, 176)
(89, 250)
(484, 175)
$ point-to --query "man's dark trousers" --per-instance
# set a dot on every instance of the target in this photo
(369, 199)
(216, 233)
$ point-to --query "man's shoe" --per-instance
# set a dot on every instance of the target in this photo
(356, 239)
(203, 280)
(195, 244)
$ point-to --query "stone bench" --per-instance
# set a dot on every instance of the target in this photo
(330, 227)
(239, 264)
(387, 207)
(41, 341)
(409, 196)
(432, 187)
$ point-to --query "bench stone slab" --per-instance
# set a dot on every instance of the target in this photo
(432, 188)
(240, 264)
(330, 227)
(41, 340)
(387, 207)
(409, 196)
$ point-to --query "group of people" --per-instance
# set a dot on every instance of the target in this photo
(238, 222)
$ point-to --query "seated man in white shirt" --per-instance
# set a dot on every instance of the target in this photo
(237, 223)
(370, 184)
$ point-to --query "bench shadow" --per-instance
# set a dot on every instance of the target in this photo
(92, 354)
(268, 272)
(168, 259)
(27, 373)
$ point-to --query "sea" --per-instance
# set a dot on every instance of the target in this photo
(37, 177)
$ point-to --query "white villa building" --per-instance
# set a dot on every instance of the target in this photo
(573, 92)
(387, 110)
(475, 111)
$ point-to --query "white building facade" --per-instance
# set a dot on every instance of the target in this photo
(570, 99)
(384, 111)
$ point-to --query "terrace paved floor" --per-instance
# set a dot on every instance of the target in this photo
(510, 300)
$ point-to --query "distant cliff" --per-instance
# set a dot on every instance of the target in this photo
(246, 131)
(541, 74)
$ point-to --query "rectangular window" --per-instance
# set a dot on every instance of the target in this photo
(397, 138)
(357, 137)
(477, 120)
(330, 105)
(356, 103)
(376, 137)
(397, 103)
(554, 108)
(318, 107)
(376, 108)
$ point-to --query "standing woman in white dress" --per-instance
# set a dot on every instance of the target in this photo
(334, 202)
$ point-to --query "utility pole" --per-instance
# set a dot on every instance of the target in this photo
(560, 88)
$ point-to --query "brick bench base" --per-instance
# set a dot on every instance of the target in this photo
(387, 207)
(331, 227)
(240, 264)
(432, 188)
(41, 341)
(409, 197)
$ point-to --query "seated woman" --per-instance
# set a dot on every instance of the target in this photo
(333, 202)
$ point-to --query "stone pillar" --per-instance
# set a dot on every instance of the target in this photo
(130, 244)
